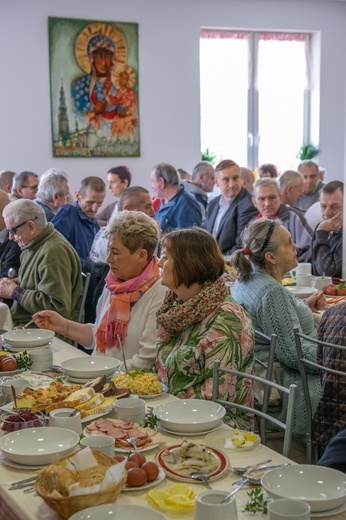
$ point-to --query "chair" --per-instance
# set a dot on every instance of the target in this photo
(303, 364)
(268, 376)
(291, 392)
(86, 281)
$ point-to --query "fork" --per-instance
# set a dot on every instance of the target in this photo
(133, 442)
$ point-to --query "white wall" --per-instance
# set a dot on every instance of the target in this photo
(168, 76)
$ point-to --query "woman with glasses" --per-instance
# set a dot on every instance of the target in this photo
(268, 254)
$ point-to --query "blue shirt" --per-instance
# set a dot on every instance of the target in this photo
(181, 211)
(48, 211)
(77, 228)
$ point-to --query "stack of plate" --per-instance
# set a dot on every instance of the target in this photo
(83, 369)
(27, 339)
(189, 416)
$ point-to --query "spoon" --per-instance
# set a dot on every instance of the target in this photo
(19, 327)
(73, 413)
(203, 477)
(15, 402)
(240, 471)
(232, 493)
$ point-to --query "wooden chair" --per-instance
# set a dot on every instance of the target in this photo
(291, 392)
(311, 452)
(86, 282)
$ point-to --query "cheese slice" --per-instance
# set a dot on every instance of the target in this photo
(96, 400)
(104, 407)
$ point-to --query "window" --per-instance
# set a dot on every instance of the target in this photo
(255, 95)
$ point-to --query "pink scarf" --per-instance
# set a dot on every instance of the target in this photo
(115, 320)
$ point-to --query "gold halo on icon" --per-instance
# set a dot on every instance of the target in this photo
(118, 69)
(90, 31)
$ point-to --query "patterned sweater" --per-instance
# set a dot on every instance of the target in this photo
(186, 363)
(331, 410)
(274, 310)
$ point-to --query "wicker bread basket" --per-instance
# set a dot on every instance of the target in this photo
(67, 506)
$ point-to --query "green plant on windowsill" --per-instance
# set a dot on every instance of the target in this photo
(207, 155)
(308, 151)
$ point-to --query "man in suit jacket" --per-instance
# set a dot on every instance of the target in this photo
(228, 214)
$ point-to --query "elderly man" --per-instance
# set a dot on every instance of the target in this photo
(327, 240)
(50, 271)
(202, 182)
(267, 201)
(291, 184)
(6, 180)
(312, 184)
(25, 186)
(228, 214)
(177, 209)
(77, 223)
(53, 192)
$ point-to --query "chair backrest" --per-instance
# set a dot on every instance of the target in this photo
(268, 368)
(86, 281)
(290, 392)
(304, 363)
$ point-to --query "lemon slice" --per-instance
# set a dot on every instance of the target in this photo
(249, 436)
(157, 497)
(180, 501)
(180, 489)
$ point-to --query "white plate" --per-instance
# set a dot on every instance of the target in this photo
(219, 440)
(330, 512)
(302, 292)
(3, 373)
(151, 396)
(16, 350)
(79, 380)
(112, 511)
(124, 450)
(148, 485)
(7, 462)
(190, 434)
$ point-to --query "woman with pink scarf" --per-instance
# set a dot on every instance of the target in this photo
(126, 310)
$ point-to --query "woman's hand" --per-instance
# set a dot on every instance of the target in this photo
(316, 302)
(51, 320)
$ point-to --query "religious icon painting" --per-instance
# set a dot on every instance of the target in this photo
(94, 88)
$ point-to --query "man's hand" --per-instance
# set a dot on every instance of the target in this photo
(331, 224)
(7, 287)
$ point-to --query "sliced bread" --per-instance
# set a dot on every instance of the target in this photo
(96, 400)
(79, 397)
(104, 407)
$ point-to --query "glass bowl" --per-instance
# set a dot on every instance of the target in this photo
(14, 421)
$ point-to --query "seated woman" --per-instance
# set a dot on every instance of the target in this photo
(268, 254)
(199, 323)
(330, 415)
(126, 309)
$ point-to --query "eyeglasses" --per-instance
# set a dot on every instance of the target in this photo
(13, 230)
(33, 187)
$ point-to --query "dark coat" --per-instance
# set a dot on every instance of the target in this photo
(238, 215)
(9, 257)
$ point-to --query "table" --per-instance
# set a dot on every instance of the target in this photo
(15, 505)
(6, 322)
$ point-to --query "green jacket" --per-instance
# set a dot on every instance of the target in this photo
(50, 273)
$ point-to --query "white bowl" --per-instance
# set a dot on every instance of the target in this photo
(28, 337)
(117, 512)
(321, 487)
(37, 446)
(302, 292)
(90, 367)
(189, 415)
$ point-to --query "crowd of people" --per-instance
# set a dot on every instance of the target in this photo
(158, 294)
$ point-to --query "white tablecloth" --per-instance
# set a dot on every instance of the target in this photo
(15, 505)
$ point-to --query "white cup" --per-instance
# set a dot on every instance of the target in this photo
(320, 281)
(62, 419)
(42, 360)
(304, 280)
(209, 506)
(103, 443)
(131, 409)
(286, 508)
(303, 268)
(19, 385)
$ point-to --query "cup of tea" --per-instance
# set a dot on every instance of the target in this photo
(288, 509)
(103, 443)
(62, 418)
(130, 409)
(210, 506)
